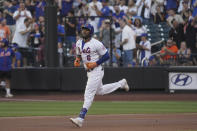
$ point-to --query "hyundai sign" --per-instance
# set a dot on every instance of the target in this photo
(182, 81)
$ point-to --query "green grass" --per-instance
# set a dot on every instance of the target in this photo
(72, 108)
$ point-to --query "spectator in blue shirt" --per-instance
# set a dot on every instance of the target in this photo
(194, 6)
(40, 8)
(105, 11)
(66, 7)
(117, 15)
(116, 57)
(8, 12)
(171, 4)
(6, 64)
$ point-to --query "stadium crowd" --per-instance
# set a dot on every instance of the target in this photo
(22, 24)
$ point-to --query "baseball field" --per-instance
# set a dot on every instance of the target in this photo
(116, 112)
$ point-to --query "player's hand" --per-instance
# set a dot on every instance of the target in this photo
(91, 65)
(77, 62)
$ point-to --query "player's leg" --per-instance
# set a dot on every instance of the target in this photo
(108, 88)
(94, 81)
(7, 86)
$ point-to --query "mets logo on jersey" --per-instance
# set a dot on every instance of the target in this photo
(5, 54)
(87, 50)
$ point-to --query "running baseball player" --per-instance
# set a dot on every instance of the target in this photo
(6, 63)
(93, 53)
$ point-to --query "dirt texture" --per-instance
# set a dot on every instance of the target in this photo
(129, 122)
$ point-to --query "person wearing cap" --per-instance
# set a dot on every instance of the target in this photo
(144, 47)
(18, 56)
(6, 64)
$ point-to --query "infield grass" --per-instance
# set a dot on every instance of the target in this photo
(60, 108)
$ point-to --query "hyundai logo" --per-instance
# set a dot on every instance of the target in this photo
(181, 79)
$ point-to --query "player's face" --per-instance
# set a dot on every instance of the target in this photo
(85, 33)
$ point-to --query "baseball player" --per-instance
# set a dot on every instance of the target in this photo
(6, 63)
(93, 53)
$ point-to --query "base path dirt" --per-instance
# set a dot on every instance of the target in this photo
(131, 122)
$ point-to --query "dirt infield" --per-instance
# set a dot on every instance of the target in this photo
(130, 122)
(135, 122)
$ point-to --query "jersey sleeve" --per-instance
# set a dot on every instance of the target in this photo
(100, 48)
(77, 50)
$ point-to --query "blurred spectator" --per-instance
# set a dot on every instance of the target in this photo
(190, 36)
(4, 30)
(128, 42)
(30, 6)
(153, 61)
(39, 8)
(144, 8)
(116, 57)
(168, 53)
(61, 34)
(22, 32)
(185, 11)
(172, 16)
(194, 6)
(132, 9)
(20, 37)
(184, 55)
(157, 4)
(159, 16)
(123, 6)
(182, 4)
(35, 37)
(21, 14)
(177, 32)
(171, 4)
(65, 6)
(70, 27)
(94, 9)
(105, 11)
(105, 33)
(6, 64)
(138, 28)
(145, 48)
(8, 12)
(18, 56)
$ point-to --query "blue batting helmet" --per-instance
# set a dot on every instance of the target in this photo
(89, 27)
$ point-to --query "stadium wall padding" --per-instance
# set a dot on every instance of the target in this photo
(69, 79)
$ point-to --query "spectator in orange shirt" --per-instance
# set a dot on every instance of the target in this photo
(4, 30)
(169, 51)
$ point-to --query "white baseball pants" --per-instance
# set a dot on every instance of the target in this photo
(95, 86)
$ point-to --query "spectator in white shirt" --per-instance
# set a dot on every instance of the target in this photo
(132, 8)
(145, 48)
(94, 8)
(144, 8)
(21, 14)
(123, 7)
(22, 33)
(128, 42)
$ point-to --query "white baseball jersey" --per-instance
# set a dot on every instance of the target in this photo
(90, 51)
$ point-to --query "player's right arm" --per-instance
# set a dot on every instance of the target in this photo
(78, 55)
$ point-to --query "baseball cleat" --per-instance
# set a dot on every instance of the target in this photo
(126, 86)
(8, 95)
(77, 121)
